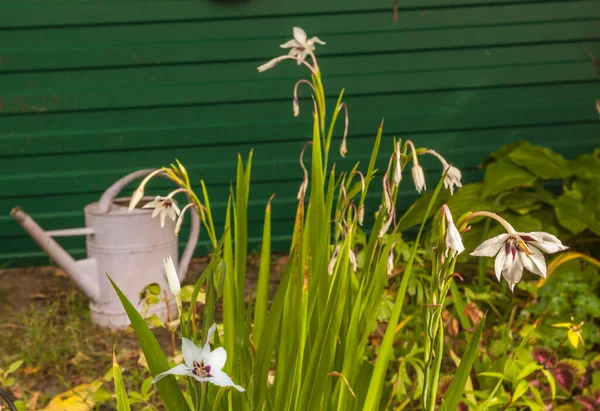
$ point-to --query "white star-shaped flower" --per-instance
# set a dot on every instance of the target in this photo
(165, 207)
(202, 364)
(300, 46)
(516, 250)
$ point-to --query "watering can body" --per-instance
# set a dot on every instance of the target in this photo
(128, 246)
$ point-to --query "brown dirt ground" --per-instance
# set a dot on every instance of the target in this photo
(44, 319)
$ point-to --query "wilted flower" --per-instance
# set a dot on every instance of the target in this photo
(304, 185)
(390, 260)
(301, 45)
(202, 364)
(516, 250)
(353, 262)
(165, 207)
(453, 239)
(333, 260)
(343, 148)
(361, 215)
(296, 104)
(397, 166)
(271, 63)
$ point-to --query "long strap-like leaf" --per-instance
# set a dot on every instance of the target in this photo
(157, 362)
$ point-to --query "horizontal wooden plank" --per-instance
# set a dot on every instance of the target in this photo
(85, 90)
(180, 127)
(28, 13)
(177, 44)
(465, 149)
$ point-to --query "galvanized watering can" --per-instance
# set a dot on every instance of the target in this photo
(129, 246)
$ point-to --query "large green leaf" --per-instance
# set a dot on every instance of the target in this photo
(569, 211)
(167, 387)
(502, 176)
(457, 385)
(586, 166)
(502, 153)
(541, 161)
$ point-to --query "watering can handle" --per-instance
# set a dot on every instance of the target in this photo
(111, 192)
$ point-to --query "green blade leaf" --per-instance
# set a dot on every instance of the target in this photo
(457, 385)
(521, 389)
(122, 401)
(167, 387)
(262, 288)
(551, 381)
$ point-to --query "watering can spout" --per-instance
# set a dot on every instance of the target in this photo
(83, 272)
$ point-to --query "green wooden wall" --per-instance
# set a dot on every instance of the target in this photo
(93, 89)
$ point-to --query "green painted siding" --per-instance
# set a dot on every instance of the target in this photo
(93, 89)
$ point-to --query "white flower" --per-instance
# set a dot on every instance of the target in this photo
(300, 45)
(453, 240)
(516, 250)
(418, 177)
(398, 166)
(172, 276)
(452, 178)
(202, 364)
(164, 206)
(452, 175)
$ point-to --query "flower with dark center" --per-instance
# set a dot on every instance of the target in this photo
(515, 250)
(202, 364)
(163, 207)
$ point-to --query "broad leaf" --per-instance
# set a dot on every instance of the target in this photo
(541, 161)
(569, 211)
(502, 176)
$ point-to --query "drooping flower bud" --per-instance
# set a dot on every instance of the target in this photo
(453, 239)
(172, 277)
(419, 178)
